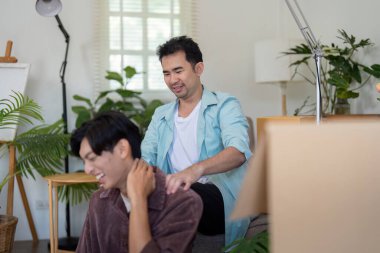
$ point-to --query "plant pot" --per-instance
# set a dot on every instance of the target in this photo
(342, 107)
(7, 232)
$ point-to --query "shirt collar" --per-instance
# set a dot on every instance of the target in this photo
(208, 98)
(156, 200)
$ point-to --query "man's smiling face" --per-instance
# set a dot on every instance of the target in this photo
(109, 167)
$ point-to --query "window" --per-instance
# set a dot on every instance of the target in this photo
(129, 32)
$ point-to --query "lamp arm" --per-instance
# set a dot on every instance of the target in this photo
(62, 28)
(315, 48)
(63, 70)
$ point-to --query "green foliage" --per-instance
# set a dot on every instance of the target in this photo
(122, 99)
(42, 149)
(6, 179)
(39, 149)
(342, 75)
(257, 244)
(18, 110)
(77, 193)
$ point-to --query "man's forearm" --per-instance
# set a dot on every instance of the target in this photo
(230, 158)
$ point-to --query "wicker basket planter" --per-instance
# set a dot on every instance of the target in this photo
(7, 232)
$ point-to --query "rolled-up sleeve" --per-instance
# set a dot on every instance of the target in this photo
(234, 126)
(149, 143)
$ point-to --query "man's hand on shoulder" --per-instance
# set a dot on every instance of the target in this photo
(183, 179)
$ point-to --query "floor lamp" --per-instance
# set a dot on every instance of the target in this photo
(51, 8)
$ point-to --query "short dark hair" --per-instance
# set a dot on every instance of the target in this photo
(181, 43)
(104, 131)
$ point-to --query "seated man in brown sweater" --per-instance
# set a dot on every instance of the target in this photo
(131, 212)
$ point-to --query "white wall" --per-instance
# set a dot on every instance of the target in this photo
(227, 33)
(37, 40)
(229, 30)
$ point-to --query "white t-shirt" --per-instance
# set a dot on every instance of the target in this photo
(126, 202)
(184, 150)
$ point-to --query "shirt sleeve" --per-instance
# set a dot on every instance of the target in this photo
(234, 126)
(149, 143)
(177, 226)
(84, 244)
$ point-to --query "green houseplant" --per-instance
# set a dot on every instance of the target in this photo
(40, 149)
(127, 101)
(342, 72)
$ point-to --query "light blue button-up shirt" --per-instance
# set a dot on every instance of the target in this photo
(221, 124)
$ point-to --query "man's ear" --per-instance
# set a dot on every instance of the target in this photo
(123, 148)
(198, 68)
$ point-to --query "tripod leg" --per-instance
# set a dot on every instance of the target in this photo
(11, 182)
(27, 208)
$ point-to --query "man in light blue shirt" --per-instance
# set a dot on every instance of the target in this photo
(200, 140)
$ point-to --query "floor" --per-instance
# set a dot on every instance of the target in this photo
(30, 247)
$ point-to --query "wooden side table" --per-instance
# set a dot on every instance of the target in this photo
(53, 182)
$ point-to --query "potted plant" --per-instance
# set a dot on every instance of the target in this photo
(342, 73)
(127, 101)
(40, 149)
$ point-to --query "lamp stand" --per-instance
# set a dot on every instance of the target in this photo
(315, 48)
(69, 243)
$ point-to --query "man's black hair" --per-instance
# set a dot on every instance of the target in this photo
(104, 132)
(181, 43)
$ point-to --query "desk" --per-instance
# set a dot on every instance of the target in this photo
(53, 182)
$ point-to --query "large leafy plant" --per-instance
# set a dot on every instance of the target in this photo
(342, 72)
(40, 149)
(121, 99)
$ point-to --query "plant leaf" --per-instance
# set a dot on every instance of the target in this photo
(76, 193)
(356, 73)
(82, 117)
(127, 93)
(299, 49)
(19, 110)
(42, 148)
(342, 93)
(338, 80)
(129, 72)
(83, 99)
(114, 76)
(108, 105)
(257, 244)
(374, 70)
